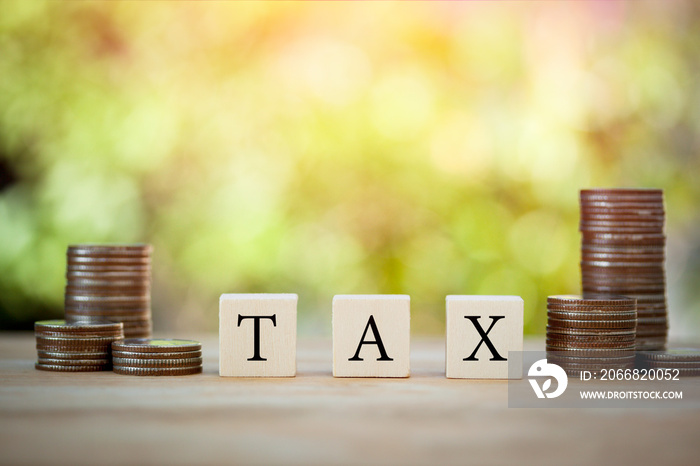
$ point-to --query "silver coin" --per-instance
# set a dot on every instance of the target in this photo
(157, 362)
(54, 368)
(162, 371)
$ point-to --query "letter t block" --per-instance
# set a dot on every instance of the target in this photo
(481, 330)
(371, 335)
(258, 335)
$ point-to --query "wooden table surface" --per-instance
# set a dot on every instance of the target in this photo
(104, 418)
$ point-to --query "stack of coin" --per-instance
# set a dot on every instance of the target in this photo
(75, 347)
(141, 356)
(686, 360)
(622, 253)
(110, 282)
(586, 334)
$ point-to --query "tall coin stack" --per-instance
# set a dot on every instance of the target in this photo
(110, 282)
(75, 347)
(585, 334)
(141, 356)
(622, 253)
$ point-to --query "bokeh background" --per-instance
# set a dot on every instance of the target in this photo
(323, 148)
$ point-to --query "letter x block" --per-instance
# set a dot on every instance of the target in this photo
(258, 335)
(481, 330)
(371, 335)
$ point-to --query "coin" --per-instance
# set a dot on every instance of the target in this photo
(572, 344)
(649, 299)
(101, 282)
(590, 314)
(56, 348)
(624, 239)
(130, 324)
(674, 364)
(654, 321)
(111, 248)
(609, 320)
(588, 256)
(576, 300)
(96, 272)
(142, 371)
(123, 317)
(112, 336)
(595, 367)
(140, 333)
(672, 355)
(137, 299)
(111, 259)
(645, 343)
(592, 324)
(71, 355)
(612, 289)
(77, 339)
(622, 201)
(141, 355)
(590, 359)
(68, 343)
(595, 353)
(72, 327)
(643, 333)
(74, 362)
(655, 314)
(101, 327)
(54, 368)
(592, 352)
(156, 362)
(588, 327)
(555, 329)
(101, 273)
(671, 369)
(625, 216)
(76, 289)
(628, 276)
(638, 287)
(93, 309)
(145, 345)
(592, 339)
(602, 227)
(645, 268)
(687, 372)
(141, 328)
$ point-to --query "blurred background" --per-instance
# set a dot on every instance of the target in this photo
(325, 148)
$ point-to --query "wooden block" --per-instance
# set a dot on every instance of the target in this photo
(258, 335)
(481, 330)
(371, 335)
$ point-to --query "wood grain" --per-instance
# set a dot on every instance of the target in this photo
(313, 419)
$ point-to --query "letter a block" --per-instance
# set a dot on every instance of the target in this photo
(371, 335)
(258, 335)
(481, 330)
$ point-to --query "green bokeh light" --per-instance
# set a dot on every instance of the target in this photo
(422, 148)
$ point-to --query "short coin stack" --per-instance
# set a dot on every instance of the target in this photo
(141, 356)
(75, 347)
(686, 360)
(591, 334)
(622, 253)
(111, 282)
